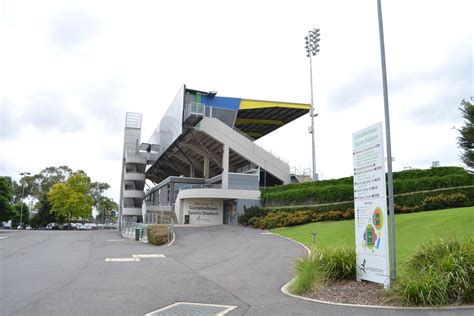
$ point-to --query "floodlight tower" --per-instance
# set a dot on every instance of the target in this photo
(312, 48)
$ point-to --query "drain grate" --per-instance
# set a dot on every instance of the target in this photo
(184, 308)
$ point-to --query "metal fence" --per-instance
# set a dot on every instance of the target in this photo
(129, 226)
(220, 186)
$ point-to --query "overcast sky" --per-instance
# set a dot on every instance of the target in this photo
(69, 70)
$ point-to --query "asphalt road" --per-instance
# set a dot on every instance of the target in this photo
(65, 273)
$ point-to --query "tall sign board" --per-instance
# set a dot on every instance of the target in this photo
(370, 203)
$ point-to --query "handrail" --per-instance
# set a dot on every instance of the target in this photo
(219, 186)
(128, 227)
(196, 108)
(260, 145)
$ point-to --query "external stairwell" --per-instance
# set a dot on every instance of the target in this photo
(245, 147)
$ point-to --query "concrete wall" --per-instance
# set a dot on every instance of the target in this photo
(204, 211)
(246, 148)
(240, 180)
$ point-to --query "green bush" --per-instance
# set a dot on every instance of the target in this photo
(439, 272)
(250, 212)
(280, 219)
(307, 270)
(331, 264)
(158, 234)
(433, 172)
(338, 263)
(307, 194)
(339, 190)
(432, 183)
(443, 201)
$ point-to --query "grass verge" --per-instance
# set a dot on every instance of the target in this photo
(411, 230)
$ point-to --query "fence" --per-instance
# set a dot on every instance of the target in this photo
(220, 186)
(129, 225)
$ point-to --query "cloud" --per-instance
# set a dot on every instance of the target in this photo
(50, 112)
(7, 117)
(72, 27)
(365, 84)
(102, 100)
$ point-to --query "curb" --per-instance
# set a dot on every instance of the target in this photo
(172, 241)
(284, 290)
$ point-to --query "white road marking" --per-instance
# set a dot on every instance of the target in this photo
(267, 233)
(122, 259)
(158, 255)
(3, 237)
(115, 240)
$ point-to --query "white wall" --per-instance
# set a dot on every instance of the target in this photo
(204, 211)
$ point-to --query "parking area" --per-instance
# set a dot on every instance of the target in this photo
(66, 273)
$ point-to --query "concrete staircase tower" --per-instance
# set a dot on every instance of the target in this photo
(133, 170)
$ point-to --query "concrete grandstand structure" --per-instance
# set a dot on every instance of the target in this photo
(202, 165)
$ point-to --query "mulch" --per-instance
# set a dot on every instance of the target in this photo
(352, 292)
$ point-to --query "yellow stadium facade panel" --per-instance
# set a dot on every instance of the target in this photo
(253, 104)
(241, 121)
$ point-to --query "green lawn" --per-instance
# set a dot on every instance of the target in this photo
(410, 229)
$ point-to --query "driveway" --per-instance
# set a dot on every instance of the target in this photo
(65, 273)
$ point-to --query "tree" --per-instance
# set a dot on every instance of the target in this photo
(38, 187)
(17, 215)
(466, 139)
(97, 190)
(70, 199)
(106, 208)
(5, 198)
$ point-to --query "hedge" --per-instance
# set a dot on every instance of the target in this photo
(433, 172)
(417, 202)
(330, 191)
(317, 195)
(432, 183)
(403, 200)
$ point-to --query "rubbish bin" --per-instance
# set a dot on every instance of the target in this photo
(137, 233)
(186, 219)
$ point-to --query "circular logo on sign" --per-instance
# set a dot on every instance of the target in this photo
(370, 236)
(377, 218)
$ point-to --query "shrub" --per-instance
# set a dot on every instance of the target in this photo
(439, 272)
(250, 212)
(338, 263)
(443, 201)
(158, 234)
(338, 190)
(280, 219)
(306, 275)
(331, 264)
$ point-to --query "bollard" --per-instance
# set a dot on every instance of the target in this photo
(313, 237)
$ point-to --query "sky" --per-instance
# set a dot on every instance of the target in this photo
(70, 70)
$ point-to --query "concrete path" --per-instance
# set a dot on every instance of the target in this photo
(65, 273)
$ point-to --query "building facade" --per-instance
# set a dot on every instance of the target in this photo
(201, 165)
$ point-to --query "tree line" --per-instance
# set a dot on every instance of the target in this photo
(60, 194)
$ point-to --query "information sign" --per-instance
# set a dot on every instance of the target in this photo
(370, 204)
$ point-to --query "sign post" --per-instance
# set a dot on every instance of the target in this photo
(370, 204)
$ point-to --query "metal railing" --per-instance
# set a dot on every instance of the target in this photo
(129, 226)
(220, 186)
(261, 146)
(194, 108)
(199, 109)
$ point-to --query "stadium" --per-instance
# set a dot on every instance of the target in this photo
(201, 165)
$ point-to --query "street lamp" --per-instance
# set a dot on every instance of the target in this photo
(22, 195)
(391, 204)
(312, 48)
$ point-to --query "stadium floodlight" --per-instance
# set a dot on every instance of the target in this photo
(312, 48)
